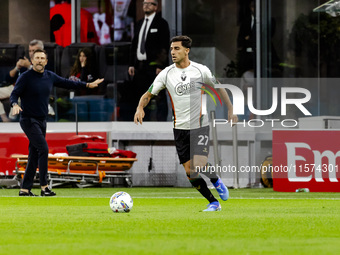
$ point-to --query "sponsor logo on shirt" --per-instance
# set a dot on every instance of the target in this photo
(185, 89)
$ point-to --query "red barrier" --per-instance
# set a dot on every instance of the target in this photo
(306, 159)
(18, 144)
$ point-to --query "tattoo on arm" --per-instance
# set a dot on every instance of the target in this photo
(145, 99)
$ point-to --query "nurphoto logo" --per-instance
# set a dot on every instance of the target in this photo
(239, 104)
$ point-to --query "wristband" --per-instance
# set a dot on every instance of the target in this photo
(14, 104)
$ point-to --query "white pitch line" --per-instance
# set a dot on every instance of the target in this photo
(244, 198)
(231, 198)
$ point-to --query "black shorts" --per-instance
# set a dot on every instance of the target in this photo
(191, 142)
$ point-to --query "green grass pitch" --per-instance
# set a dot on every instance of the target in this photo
(169, 221)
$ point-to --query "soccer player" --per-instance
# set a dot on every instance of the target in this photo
(34, 87)
(191, 129)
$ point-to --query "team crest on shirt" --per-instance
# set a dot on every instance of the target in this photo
(183, 76)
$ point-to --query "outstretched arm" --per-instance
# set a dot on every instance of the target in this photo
(143, 102)
(225, 98)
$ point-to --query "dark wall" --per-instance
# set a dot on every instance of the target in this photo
(23, 20)
(4, 17)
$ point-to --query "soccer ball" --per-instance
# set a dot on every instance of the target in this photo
(121, 202)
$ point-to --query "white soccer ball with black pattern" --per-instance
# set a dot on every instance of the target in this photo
(121, 202)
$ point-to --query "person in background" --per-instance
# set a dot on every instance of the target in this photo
(149, 55)
(246, 39)
(24, 63)
(83, 69)
(33, 88)
(5, 92)
(21, 66)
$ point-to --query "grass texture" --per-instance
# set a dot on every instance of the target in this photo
(169, 221)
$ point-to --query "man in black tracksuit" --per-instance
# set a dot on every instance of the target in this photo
(34, 87)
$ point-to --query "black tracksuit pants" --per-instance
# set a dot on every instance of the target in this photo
(35, 130)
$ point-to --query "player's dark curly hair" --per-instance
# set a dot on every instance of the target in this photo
(186, 40)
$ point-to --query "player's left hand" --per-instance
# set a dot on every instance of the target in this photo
(95, 83)
(232, 118)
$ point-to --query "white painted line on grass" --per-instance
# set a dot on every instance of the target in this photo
(173, 197)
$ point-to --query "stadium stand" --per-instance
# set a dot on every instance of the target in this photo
(9, 54)
(69, 55)
(111, 62)
(54, 52)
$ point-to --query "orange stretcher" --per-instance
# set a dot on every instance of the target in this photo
(84, 171)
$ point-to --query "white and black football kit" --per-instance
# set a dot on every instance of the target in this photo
(191, 127)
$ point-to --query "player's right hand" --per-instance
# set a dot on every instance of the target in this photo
(139, 115)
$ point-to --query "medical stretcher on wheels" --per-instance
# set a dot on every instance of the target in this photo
(82, 171)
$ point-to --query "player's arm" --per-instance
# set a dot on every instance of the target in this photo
(143, 102)
(225, 98)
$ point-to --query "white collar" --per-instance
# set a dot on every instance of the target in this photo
(151, 17)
